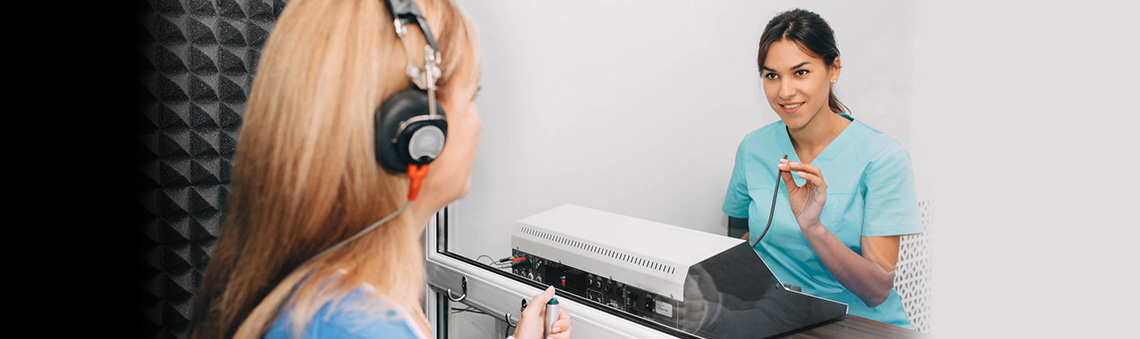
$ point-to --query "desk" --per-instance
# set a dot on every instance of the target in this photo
(856, 327)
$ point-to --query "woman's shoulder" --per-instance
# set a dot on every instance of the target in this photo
(362, 313)
(768, 134)
(876, 143)
(769, 129)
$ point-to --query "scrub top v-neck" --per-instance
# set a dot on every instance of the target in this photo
(870, 192)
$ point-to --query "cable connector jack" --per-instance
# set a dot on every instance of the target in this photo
(416, 173)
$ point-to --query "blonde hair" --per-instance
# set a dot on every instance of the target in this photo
(305, 175)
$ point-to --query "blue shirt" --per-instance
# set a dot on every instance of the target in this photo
(870, 193)
(361, 314)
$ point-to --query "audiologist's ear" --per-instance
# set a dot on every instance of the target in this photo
(833, 71)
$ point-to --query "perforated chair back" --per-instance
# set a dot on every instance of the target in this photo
(913, 272)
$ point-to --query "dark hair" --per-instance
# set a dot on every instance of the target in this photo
(811, 33)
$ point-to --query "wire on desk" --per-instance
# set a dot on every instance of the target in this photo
(502, 263)
(506, 333)
(469, 309)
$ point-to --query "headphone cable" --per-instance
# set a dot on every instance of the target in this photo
(370, 228)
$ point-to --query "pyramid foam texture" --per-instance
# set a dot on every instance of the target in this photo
(196, 64)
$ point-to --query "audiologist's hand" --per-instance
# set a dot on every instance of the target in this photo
(533, 319)
(807, 200)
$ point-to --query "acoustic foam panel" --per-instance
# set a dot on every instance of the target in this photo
(196, 64)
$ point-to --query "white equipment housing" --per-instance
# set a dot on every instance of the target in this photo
(700, 283)
(650, 255)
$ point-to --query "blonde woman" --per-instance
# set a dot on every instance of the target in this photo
(306, 178)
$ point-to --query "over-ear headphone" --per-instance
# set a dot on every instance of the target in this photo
(411, 128)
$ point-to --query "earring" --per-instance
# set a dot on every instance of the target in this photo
(833, 81)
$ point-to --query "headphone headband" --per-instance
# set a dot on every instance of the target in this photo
(404, 11)
(411, 128)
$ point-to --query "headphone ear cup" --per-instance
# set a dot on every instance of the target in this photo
(422, 141)
(419, 143)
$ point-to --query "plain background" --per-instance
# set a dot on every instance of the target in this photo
(1033, 135)
(1019, 118)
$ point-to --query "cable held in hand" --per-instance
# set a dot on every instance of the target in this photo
(772, 210)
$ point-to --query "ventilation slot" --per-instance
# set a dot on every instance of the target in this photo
(601, 251)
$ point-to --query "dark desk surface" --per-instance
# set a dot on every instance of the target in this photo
(851, 326)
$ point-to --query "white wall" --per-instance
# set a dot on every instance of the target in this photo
(637, 107)
(1028, 121)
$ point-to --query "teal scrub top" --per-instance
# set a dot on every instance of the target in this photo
(870, 192)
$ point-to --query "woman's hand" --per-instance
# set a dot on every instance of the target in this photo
(869, 276)
(533, 319)
(807, 200)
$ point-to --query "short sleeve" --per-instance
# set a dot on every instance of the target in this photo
(736, 200)
(891, 202)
